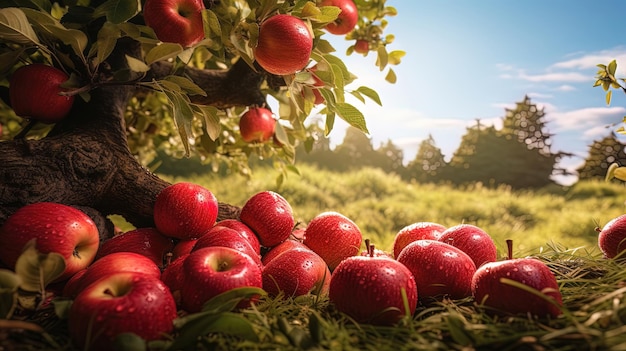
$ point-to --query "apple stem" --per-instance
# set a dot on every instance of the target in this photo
(509, 245)
(168, 258)
(367, 246)
(372, 250)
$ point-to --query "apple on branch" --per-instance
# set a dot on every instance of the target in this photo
(122, 302)
(517, 286)
(373, 289)
(257, 125)
(284, 45)
(35, 92)
(347, 18)
(175, 21)
(56, 228)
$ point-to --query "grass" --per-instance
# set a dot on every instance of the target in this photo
(557, 226)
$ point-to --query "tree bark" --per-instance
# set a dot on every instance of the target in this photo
(85, 161)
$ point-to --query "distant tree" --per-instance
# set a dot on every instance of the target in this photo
(356, 150)
(389, 158)
(602, 153)
(518, 155)
(429, 164)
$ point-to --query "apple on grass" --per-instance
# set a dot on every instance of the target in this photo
(146, 241)
(56, 228)
(35, 92)
(257, 125)
(227, 237)
(439, 269)
(375, 290)
(213, 270)
(612, 238)
(517, 286)
(284, 45)
(185, 211)
(244, 230)
(270, 217)
(124, 302)
(295, 273)
(112, 263)
(287, 245)
(347, 18)
(175, 21)
(333, 236)
(416, 231)
(472, 240)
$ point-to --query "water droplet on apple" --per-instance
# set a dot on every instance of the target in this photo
(48, 225)
(440, 268)
(60, 218)
(119, 308)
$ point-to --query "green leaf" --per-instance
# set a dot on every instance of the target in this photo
(330, 122)
(163, 52)
(129, 342)
(213, 26)
(211, 120)
(186, 85)
(612, 67)
(370, 93)
(458, 330)
(37, 270)
(233, 324)
(608, 97)
(15, 28)
(50, 26)
(118, 11)
(391, 77)
(136, 65)
(182, 114)
(352, 115)
(395, 57)
(227, 301)
(620, 173)
(107, 38)
(382, 59)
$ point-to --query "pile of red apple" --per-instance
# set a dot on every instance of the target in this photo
(189, 257)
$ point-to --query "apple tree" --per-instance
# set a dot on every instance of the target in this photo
(171, 75)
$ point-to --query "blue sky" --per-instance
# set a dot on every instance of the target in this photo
(468, 60)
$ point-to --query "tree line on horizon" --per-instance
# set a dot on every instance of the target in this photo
(518, 154)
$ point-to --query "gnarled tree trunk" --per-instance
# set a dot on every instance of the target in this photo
(85, 160)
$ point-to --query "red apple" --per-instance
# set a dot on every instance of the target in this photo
(56, 228)
(182, 248)
(270, 216)
(284, 44)
(145, 241)
(287, 245)
(119, 303)
(257, 125)
(107, 265)
(492, 287)
(175, 21)
(416, 231)
(213, 270)
(34, 92)
(295, 273)
(347, 18)
(185, 211)
(334, 237)
(362, 46)
(612, 237)
(227, 237)
(372, 289)
(439, 269)
(244, 230)
(472, 240)
(174, 277)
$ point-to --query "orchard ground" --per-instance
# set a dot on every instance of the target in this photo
(556, 225)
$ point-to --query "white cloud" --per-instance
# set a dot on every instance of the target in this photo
(540, 96)
(587, 120)
(555, 77)
(590, 60)
(565, 87)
